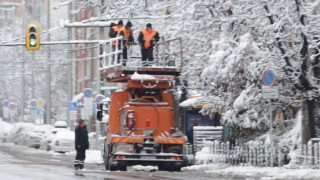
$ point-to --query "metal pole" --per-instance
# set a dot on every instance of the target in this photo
(98, 125)
(69, 71)
(22, 86)
(69, 99)
(33, 79)
(270, 133)
(48, 103)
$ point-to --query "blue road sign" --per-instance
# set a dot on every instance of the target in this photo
(33, 103)
(268, 78)
(73, 106)
(5, 103)
(87, 92)
(99, 98)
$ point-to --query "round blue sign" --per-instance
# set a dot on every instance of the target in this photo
(12, 106)
(268, 78)
(87, 92)
(5, 103)
(99, 98)
(33, 103)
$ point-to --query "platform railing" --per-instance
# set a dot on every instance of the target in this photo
(111, 52)
(166, 53)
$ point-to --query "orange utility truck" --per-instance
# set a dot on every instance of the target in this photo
(142, 126)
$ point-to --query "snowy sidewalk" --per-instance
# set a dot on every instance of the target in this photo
(264, 173)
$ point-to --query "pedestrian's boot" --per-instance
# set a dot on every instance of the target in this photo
(77, 164)
(81, 164)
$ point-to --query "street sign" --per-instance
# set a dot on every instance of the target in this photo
(73, 106)
(33, 103)
(87, 92)
(268, 78)
(99, 98)
(40, 103)
(5, 104)
(270, 92)
(73, 115)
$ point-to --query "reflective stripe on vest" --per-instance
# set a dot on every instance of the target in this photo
(148, 36)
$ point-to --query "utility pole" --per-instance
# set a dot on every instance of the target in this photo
(22, 69)
(48, 101)
(69, 70)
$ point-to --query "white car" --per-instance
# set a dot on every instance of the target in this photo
(38, 133)
(60, 124)
(63, 141)
(19, 132)
(5, 129)
(45, 143)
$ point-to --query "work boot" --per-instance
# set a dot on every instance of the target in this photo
(81, 165)
(76, 164)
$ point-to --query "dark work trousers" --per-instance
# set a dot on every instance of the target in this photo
(113, 49)
(80, 157)
(125, 55)
(147, 54)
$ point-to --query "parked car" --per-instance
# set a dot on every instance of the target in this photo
(45, 143)
(63, 141)
(60, 124)
(37, 134)
(19, 132)
(5, 129)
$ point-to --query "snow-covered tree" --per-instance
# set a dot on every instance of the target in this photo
(229, 43)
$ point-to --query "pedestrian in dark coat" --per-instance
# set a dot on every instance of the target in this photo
(148, 38)
(81, 144)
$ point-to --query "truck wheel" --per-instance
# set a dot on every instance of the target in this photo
(110, 167)
(178, 169)
(123, 168)
(162, 168)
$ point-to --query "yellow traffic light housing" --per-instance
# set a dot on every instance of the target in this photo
(32, 36)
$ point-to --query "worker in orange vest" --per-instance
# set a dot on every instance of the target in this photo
(113, 32)
(114, 29)
(148, 38)
(126, 32)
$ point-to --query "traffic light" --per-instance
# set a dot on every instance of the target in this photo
(99, 111)
(32, 36)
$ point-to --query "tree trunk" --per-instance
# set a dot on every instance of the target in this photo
(308, 128)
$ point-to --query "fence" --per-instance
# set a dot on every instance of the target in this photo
(259, 154)
(203, 134)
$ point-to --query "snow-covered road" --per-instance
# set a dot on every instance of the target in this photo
(20, 162)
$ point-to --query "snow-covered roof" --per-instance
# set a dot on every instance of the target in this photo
(60, 124)
(193, 102)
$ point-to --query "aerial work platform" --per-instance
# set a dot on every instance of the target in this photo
(166, 65)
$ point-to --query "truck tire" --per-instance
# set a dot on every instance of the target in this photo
(110, 167)
(122, 168)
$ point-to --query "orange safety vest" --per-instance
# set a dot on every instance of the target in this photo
(126, 33)
(148, 36)
(116, 29)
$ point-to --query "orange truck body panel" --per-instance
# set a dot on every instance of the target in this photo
(117, 101)
(155, 118)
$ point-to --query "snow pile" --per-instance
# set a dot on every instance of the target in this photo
(93, 156)
(137, 76)
(5, 129)
(205, 157)
(268, 173)
(144, 168)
